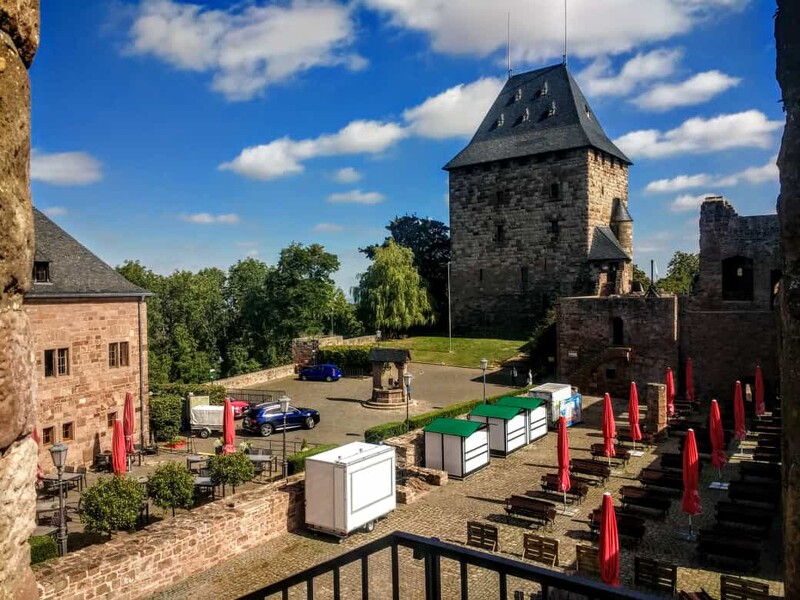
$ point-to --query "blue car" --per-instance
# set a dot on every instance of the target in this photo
(267, 418)
(321, 373)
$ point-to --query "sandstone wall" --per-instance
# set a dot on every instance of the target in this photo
(92, 391)
(588, 359)
(19, 38)
(303, 348)
(514, 247)
(140, 564)
(257, 378)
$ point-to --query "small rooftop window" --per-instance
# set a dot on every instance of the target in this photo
(526, 116)
(588, 112)
(500, 120)
(552, 110)
(544, 90)
(518, 95)
(41, 272)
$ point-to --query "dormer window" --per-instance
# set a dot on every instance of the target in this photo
(552, 110)
(41, 272)
(518, 95)
(500, 120)
(526, 116)
(588, 112)
(544, 90)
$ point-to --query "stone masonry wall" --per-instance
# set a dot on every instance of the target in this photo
(19, 38)
(303, 348)
(514, 248)
(92, 392)
(259, 377)
(140, 564)
(586, 356)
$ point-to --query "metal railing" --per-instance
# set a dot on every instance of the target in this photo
(255, 396)
(429, 553)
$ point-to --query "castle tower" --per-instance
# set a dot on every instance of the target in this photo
(531, 203)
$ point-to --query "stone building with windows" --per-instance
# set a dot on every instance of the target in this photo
(538, 208)
(89, 326)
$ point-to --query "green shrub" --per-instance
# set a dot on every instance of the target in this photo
(43, 547)
(232, 469)
(166, 412)
(216, 393)
(171, 486)
(375, 435)
(112, 504)
(297, 462)
(346, 357)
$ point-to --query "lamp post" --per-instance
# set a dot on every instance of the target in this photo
(407, 377)
(58, 453)
(484, 364)
(284, 400)
(449, 312)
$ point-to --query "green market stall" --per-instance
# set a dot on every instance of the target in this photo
(457, 446)
(506, 427)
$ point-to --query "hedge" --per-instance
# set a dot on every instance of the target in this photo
(345, 357)
(216, 393)
(166, 414)
(43, 547)
(297, 462)
(375, 435)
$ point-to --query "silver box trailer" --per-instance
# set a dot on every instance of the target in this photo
(349, 488)
(206, 419)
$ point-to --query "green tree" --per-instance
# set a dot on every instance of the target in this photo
(683, 267)
(112, 504)
(640, 276)
(391, 296)
(231, 469)
(171, 486)
(165, 415)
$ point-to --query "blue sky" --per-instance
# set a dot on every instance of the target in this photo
(187, 135)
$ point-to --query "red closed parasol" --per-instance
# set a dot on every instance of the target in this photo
(760, 406)
(718, 456)
(739, 429)
(691, 503)
(609, 428)
(689, 381)
(228, 429)
(670, 393)
(128, 422)
(563, 459)
(633, 414)
(609, 543)
(119, 458)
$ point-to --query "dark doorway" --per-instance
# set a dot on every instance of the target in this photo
(737, 278)
(617, 331)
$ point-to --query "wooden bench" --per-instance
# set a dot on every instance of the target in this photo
(756, 535)
(659, 478)
(765, 427)
(674, 460)
(762, 492)
(737, 588)
(540, 511)
(767, 455)
(643, 498)
(621, 453)
(730, 512)
(540, 549)
(628, 525)
(656, 575)
(588, 561)
(483, 536)
(624, 435)
(711, 543)
(577, 491)
(596, 470)
(755, 470)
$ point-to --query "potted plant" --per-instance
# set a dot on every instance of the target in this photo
(244, 446)
(218, 446)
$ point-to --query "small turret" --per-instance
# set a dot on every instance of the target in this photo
(622, 225)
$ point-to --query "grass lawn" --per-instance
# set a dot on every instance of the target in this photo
(467, 352)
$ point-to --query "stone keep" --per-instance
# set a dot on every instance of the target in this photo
(538, 207)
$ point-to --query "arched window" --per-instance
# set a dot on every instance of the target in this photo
(617, 331)
(737, 278)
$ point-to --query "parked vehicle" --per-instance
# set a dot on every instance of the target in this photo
(321, 373)
(205, 420)
(240, 408)
(268, 418)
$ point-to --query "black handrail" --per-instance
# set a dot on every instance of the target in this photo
(432, 550)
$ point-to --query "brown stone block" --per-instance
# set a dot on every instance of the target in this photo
(17, 403)
(20, 20)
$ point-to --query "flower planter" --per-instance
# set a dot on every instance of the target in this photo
(176, 445)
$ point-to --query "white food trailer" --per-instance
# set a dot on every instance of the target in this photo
(457, 446)
(349, 488)
(535, 414)
(561, 401)
(506, 427)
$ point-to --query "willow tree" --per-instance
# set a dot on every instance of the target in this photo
(391, 296)
(787, 43)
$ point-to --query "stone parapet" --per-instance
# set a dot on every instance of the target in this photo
(258, 377)
(656, 400)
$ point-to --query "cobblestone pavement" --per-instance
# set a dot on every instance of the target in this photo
(444, 512)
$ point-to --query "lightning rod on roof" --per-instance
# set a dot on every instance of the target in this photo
(508, 45)
(565, 33)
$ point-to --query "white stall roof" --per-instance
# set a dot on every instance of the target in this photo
(348, 453)
(551, 388)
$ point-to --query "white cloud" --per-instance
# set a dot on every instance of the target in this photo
(285, 156)
(248, 47)
(478, 27)
(698, 135)
(766, 172)
(347, 175)
(688, 202)
(55, 211)
(455, 112)
(208, 218)
(357, 197)
(328, 227)
(65, 168)
(695, 90)
(598, 80)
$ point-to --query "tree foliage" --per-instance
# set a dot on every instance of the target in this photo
(232, 469)
(166, 412)
(640, 276)
(112, 504)
(391, 296)
(171, 486)
(683, 267)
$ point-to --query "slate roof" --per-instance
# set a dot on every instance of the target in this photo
(574, 124)
(606, 246)
(74, 271)
(389, 355)
(620, 213)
